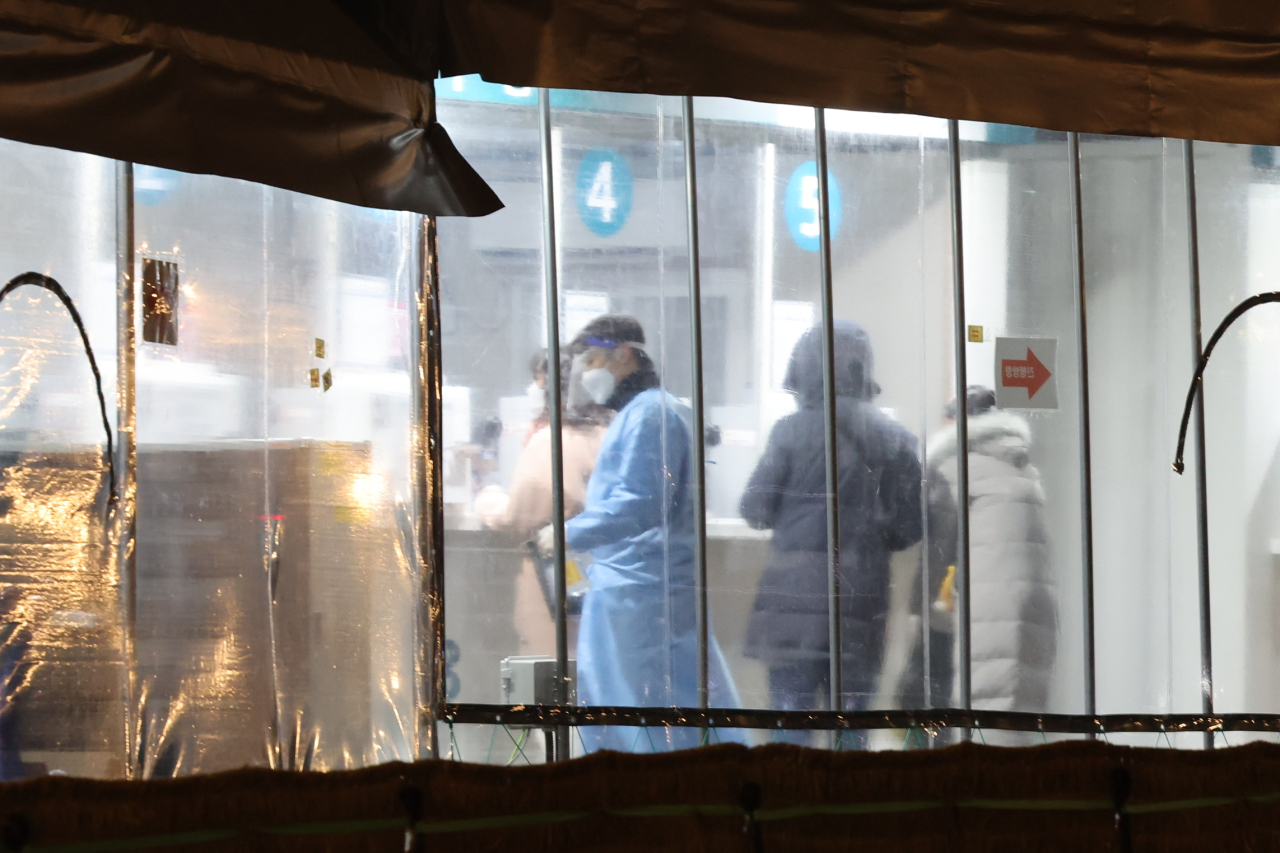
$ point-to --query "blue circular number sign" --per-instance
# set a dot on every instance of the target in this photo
(801, 205)
(604, 191)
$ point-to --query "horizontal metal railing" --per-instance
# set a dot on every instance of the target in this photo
(938, 718)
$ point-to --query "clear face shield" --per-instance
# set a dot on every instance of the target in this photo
(593, 376)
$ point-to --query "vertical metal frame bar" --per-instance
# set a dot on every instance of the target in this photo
(125, 520)
(1086, 447)
(698, 482)
(834, 603)
(1202, 484)
(554, 409)
(926, 592)
(962, 421)
(428, 490)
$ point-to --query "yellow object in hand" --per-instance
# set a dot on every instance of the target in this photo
(572, 574)
(946, 601)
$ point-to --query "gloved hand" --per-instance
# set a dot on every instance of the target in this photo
(546, 540)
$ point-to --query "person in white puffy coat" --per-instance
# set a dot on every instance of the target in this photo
(1013, 613)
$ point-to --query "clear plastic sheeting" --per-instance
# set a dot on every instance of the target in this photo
(254, 596)
(265, 610)
(276, 603)
(62, 671)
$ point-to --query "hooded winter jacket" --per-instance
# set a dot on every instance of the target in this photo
(1013, 615)
(880, 512)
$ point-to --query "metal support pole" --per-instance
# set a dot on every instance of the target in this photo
(962, 423)
(428, 490)
(834, 608)
(1202, 485)
(698, 484)
(125, 520)
(1086, 451)
(554, 408)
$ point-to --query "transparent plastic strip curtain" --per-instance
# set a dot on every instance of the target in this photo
(428, 438)
(428, 441)
(553, 297)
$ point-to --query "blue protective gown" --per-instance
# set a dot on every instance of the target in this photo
(637, 641)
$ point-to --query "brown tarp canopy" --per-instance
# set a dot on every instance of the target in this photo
(333, 97)
(290, 93)
(720, 799)
(1179, 68)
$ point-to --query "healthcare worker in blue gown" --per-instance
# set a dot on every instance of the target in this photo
(637, 642)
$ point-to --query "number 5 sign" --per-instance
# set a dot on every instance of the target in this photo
(604, 191)
(801, 205)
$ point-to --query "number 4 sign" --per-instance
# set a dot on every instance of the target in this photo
(604, 191)
(1025, 373)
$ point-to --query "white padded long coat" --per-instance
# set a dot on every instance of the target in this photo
(1012, 600)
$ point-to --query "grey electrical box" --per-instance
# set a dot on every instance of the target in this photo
(530, 680)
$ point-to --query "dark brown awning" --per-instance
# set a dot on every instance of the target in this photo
(289, 93)
(1180, 68)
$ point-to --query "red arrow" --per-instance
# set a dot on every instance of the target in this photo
(1029, 374)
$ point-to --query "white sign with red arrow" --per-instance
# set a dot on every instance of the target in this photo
(1025, 370)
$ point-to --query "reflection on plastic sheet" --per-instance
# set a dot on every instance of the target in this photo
(272, 612)
(60, 640)
(276, 592)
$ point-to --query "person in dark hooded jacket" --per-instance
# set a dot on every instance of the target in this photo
(880, 512)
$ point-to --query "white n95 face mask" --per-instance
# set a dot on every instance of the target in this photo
(537, 397)
(599, 384)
